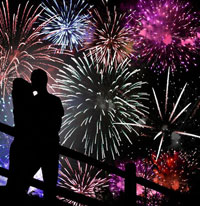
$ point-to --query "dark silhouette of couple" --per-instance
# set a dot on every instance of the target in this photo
(37, 117)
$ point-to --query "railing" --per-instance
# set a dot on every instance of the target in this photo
(129, 174)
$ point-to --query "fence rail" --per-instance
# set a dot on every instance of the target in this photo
(129, 174)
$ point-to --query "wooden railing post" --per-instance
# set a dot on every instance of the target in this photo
(130, 184)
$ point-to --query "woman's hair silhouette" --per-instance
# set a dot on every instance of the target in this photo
(21, 94)
(22, 99)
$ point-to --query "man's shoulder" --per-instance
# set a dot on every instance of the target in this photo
(53, 97)
(55, 102)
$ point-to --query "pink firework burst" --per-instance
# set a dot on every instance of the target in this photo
(80, 179)
(21, 48)
(165, 33)
(144, 169)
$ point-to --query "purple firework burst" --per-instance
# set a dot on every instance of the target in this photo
(143, 169)
(165, 34)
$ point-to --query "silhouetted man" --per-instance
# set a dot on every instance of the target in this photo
(44, 140)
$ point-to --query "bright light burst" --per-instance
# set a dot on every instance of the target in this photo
(143, 169)
(81, 179)
(169, 125)
(110, 40)
(7, 75)
(173, 169)
(21, 48)
(94, 101)
(68, 23)
(165, 34)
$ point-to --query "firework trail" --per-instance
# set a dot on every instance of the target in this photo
(110, 39)
(21, 48)
(165, 34)
(95, 101)
(83, 180)
(68, 23)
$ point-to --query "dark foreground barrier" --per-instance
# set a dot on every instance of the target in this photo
(129, 174)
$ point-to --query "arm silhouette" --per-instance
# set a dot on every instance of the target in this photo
(7, 129)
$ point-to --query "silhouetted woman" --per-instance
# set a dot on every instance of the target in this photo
(22, 99)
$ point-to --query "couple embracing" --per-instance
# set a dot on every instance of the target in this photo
(37, 117)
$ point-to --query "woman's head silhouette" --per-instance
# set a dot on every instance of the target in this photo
(21, 89)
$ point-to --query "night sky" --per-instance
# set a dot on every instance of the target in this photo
(183, 97)
(156, 81)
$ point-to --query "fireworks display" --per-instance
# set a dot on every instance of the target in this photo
(21, 48)
(110, 40)
(68, 23)
(80, 179)
(6, 109)
(173, 169)
(5, 140)
(165, 34)
(145, 169)
(170, 121)
(94, 101)
(96, 57)
(7, 74)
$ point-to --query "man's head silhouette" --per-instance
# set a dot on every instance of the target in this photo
(39, 80)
